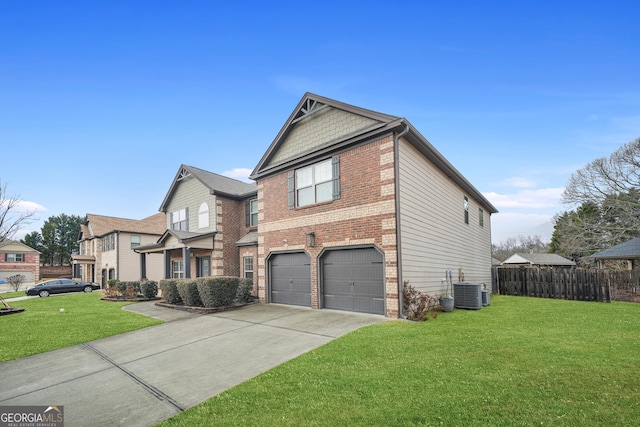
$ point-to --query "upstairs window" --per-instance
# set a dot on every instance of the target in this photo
(481, 217)
(109, 242)
(14, 257)
(251, 213)
(135, 241)
(203, 216)
(466, 210)
(316, 183)
(179, 220)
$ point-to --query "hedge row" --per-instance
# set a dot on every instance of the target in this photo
(207, 292)
(148, 288)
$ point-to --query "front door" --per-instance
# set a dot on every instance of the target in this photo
(203, 266)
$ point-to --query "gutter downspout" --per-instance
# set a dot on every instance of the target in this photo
(396, 179)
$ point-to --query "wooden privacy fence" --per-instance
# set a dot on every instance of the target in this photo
(567, 283)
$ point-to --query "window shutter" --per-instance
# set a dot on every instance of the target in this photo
(335, 163)
(247, 213)
(186, 215)
(292, 190)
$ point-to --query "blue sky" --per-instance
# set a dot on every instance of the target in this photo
(101, 102)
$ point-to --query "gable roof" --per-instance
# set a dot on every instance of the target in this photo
(538, 259)
(625, 250)
(15, 246)
(217, 184)
(292, 148)
(100, 225)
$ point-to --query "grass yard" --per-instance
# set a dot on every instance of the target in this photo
(520, 361)
(42, 327)
(7, 295)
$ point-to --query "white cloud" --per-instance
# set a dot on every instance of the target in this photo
(241, 174)
(24, 206)
(527, 199)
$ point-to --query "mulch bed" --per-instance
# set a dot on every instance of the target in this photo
(204, 310)
(129, 299)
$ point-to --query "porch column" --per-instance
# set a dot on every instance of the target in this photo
(143, 266)
(186, 256)
(167, 264)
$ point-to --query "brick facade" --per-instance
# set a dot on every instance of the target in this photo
(31, 263)
(363, 215)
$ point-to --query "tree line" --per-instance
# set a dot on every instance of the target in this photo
(58, 240)
(606, 196)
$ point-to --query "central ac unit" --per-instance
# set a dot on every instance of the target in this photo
(467, 295)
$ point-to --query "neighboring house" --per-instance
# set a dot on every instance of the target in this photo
(537, 260)
(18, 258)
(353, 204)
(106, 249)
(626, 251)
(210, 227)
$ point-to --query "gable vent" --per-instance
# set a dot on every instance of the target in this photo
(308, 107)
(183, 174)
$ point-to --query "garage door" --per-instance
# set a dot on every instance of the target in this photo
(291, 279)
(353, 280)
(28, 275)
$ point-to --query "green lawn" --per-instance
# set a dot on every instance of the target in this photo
(42, 327)
(7, 295)
(520, 361)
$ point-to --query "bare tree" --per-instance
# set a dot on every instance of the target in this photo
(523, 244)
(607, 195)
(605, 177)
(11, 219)
(16, 281)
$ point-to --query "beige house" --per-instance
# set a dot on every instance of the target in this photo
(210, 227)
(107, 249)
(354, 203)
(18, 258)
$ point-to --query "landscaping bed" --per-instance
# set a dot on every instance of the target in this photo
(204, 310)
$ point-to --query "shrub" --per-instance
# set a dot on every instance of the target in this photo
(130, 292)
(170, 291)
(244, 290)
(149, 289)
(188, 290)
(219, 291)
(15, 281)
(418, 305)
(122, 287)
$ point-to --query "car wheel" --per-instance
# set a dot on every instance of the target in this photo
(43, 294)
(88, 289)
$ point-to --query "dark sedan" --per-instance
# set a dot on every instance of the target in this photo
(59, 286)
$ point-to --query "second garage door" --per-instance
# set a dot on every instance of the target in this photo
(353, 280)
(291, 279)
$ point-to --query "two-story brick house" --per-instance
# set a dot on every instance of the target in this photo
(354, 203)
(107, 248)
(18, 258)
(210, 226)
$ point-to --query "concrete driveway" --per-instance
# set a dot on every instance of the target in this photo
(143, 377)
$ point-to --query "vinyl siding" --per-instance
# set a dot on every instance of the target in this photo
(433, 235)
(191, 193)
(129, 262)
